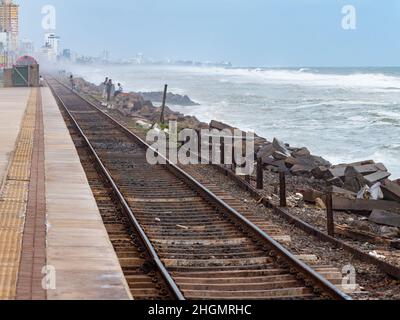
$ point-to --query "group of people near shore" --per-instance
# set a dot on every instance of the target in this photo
(109, 91)
(108, 88)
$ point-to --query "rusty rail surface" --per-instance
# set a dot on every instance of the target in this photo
(230, 256)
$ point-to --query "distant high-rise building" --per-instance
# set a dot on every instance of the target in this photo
(27, 47)
(9, 23)
(52, 41)
(51, 46)
(66, 54)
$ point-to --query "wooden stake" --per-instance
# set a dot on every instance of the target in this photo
(260, 174)
(199, 145)
(282, 189)
(162, 120)
(329, 214)
(222, 151)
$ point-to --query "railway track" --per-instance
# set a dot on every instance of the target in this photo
(187, 243)
(144, 281)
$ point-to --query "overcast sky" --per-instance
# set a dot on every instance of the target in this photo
(245, 32)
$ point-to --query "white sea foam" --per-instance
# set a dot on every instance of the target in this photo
(375, 81)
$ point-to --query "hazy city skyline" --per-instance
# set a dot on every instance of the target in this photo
(247, 33)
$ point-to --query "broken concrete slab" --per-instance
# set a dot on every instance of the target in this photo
(313, 161)
(320, 161)
(220, 125)
(363, 167)
(280, 166)
(354, 181)
(345, 193)
(280, 156)
(381, 167)
(300, 169)
(336, 181)
(266, 151)
(386, 218)
(391, 190)
(360, 205)
(290, 162)
(337, 172)
(367, 169)
(281, 147)
(321, 173)
(302, 152)
(223, 126)
(310, 195)
(259, 141)
(377, 177)
(267, 161)
(360, 163)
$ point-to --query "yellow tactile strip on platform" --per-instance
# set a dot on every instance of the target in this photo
(13, 199)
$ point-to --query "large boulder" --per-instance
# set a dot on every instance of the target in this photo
(281, 148)
(174, 99)
(321, 173)
(391, 190)
(301, 152)
(266, 151)
(354, 180)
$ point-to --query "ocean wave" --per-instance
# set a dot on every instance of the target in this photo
(303, 70)
(391, 147)
(339, 103)
(379, 81)
(385, 114)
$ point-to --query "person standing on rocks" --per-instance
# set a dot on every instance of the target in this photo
(104, 88)
(110, 88)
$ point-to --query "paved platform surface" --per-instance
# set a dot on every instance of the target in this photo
(78, 244)
(13, 103)
(14, 187)
(79, 258)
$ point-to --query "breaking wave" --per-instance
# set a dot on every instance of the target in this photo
(304, 76)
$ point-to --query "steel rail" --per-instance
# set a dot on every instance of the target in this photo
(386, 267)
(151, 250)
(301, 267)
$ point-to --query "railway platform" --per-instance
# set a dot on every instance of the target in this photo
(53, 243)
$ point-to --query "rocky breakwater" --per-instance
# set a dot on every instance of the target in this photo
(172, 99)
(363, 188)
(280, 157)
(136, 106)
(88, 87)
(217, 125)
